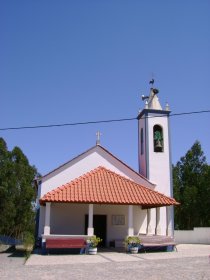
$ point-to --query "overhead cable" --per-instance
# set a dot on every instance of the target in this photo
(99, 121)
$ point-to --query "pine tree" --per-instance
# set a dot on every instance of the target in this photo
(7, 205)
(16, 192)
(191, 189)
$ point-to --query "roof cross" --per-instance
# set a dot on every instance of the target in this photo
(98, 135)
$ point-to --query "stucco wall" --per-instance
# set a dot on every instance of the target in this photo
(195, 236)
(159, 163)
(85, 163)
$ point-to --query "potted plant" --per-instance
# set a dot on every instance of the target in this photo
(132, 244)
(92, 243)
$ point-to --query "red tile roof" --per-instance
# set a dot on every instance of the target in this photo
(103, 186)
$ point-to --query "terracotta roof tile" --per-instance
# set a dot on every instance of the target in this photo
(104, 186)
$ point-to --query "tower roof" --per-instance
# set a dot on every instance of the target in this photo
(153, 102)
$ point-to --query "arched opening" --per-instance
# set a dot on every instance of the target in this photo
(158, 138)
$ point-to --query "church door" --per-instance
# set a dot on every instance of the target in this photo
(100, 225)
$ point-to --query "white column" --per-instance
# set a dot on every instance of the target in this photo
(169, 231)
(90, 230)
(158, 228)
(47, 219)
(149, 228)
(130, 220)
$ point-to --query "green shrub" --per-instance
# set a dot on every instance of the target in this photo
(93, 241)
(133, 241)
(28, 243)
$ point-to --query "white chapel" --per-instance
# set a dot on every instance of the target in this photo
(96, 193)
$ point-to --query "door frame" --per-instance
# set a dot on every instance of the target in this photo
(104, 237)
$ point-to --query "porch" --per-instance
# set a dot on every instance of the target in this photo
(105, 204)
(112, 223)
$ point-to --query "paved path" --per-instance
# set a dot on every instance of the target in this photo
(190, 262)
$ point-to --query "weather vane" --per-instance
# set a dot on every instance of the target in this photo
(154, 90)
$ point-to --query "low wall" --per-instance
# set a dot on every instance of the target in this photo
(199, 235)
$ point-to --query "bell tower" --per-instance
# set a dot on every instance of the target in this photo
(154, 150)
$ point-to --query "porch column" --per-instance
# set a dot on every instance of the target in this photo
(169, 231)
(149, 228)
(130, 220)
(158, 228)
(47, 219)
(90, 230)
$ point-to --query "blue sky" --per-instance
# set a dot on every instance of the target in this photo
(76, 61)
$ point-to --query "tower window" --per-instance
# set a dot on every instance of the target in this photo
(158, 138)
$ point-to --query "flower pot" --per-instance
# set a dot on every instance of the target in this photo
(92, 251)
(134, 250)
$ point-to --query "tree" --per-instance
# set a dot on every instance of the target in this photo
(16, 192)
(7, 205)
(191, 179)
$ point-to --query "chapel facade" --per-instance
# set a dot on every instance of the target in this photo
(96, 193)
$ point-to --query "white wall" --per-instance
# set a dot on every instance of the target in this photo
(139, 220)
(195, 236)
(68, 218)
(159, 163)
(84, 163)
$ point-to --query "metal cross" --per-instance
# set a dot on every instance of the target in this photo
(98, 135)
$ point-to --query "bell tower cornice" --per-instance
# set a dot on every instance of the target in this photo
(146, 112)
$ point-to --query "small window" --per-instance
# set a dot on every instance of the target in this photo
(142, 141)
(158, 138)
(118, 220)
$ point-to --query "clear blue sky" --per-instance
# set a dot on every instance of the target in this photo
(74, 61)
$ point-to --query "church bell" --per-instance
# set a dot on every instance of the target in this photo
(158, 146)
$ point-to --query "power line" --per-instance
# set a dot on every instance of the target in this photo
(96, 122)
(67, 124)
(190, 113)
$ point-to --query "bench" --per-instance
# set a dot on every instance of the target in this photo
(152, 242)
(66, 243)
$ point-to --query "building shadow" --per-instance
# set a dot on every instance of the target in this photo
(12, 252)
